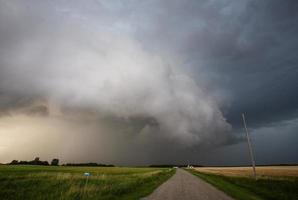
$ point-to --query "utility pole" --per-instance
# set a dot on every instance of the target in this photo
(250, 148)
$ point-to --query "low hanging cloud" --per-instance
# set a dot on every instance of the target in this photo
(70, 72)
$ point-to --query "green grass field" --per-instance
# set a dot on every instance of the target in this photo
(246, 188)
(50, 182)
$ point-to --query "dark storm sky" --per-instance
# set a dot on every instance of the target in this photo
(142, 82)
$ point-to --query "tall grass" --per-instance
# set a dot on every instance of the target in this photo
(246, 188)
(41, 182)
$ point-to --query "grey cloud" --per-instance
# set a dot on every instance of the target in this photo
(75, 66)
(272, 145)
(245, 52)
(151, 72)
(10, 105)
(246, 49)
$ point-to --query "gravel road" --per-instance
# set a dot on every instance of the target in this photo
(185, 186)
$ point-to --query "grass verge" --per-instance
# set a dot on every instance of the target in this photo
(245, 188)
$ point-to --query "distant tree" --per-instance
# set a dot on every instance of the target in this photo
(14, 162)
(23, 162)
(43, 163)
(55, 162)
(36, 161)
(88, 165)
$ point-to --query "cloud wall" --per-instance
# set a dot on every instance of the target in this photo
(103, 71)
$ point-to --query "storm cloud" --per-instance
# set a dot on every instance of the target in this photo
(144, 81)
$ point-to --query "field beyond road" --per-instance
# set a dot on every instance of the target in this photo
(271, 171)
(273, 182)
(59, 182)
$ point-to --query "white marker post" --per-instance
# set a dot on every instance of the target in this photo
(87, 174)
(250, 148)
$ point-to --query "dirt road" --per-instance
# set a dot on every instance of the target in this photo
(185, 186)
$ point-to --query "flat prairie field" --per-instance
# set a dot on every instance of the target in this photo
(61, 182)
(270, 171)
(273, 182)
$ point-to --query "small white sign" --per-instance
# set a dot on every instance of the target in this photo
(87, 174)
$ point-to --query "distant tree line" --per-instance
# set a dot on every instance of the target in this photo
(170, 166)
(36, 161)
(55, 162)
(88, 165)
